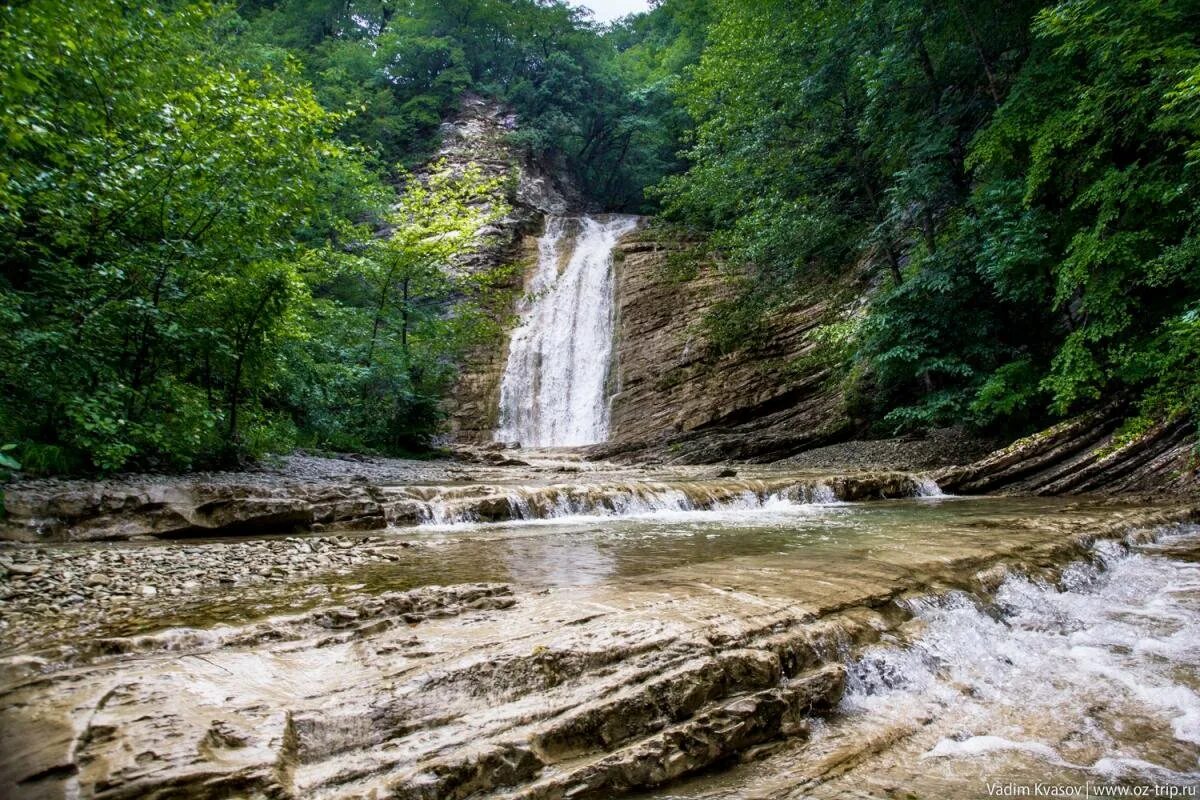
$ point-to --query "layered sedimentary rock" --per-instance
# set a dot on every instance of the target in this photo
(1088, 454)
(473, 410)
(98, 511)
(489, 690)
(677, 399)
(673, 397)
(478, 135)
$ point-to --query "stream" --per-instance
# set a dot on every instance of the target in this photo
(934, 645)
(532, 625)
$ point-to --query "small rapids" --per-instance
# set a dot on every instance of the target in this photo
(1094, 679)
(927, 487)
(740, 619)
(569, 503)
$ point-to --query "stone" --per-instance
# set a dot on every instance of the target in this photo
(680, 399)
(1084, 454)
(480, 129)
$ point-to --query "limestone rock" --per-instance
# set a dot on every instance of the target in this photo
(477, 134)
(1084, 454)
(677, 399)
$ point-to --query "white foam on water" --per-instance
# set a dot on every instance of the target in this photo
(976, 745)
(928, 487)
(1046, 664)
(665, 505)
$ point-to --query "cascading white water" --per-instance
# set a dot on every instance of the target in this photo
(554, 389)
(567, 503)
(1095, 677)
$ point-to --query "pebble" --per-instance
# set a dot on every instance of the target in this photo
(69, 587)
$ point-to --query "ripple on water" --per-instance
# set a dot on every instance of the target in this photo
(1098, 676)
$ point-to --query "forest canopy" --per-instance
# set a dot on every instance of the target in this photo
(212, 245)
(1023, 177)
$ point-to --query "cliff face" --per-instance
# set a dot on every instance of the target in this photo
(678, 400)
(478, 135)
(674, 398)
(474, 408)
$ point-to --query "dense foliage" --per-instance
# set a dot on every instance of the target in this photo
(1023, 174)
(192, 266)
(211, 245)
(404, 64)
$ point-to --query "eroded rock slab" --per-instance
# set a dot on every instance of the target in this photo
(184, 506)
(1088, 454)
(491, 690)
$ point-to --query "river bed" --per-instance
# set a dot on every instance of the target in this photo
(931, 646)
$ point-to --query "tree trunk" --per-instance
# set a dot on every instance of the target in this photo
(384, 291)
(235, 388)
(987, 67)
(404, 319)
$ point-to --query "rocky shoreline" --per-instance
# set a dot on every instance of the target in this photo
(341, 505)
(317, 494)
(481, 689)
(47, 593)
(380, 494)
(126, 564)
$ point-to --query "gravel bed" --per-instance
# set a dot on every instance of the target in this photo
(75, 588)
(944, 447)
(287, 471)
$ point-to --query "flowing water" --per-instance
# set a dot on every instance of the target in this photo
(986, 643)
(1086, 686)
(554, 392)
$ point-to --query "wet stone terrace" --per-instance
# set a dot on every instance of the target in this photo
(595, 653)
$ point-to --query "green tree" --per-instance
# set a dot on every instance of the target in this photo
(154, 201)
(1020, 175)
(1095, 141)
(393, 314)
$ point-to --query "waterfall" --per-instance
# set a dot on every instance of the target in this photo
(553, 392)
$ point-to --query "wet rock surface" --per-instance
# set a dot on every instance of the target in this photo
(330, 495)
(498, 690)
(66, 592)
(1036, 686)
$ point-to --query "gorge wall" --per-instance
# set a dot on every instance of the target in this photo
(1088, 454)
(478, 135)
(678, 399)
(674, 397)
